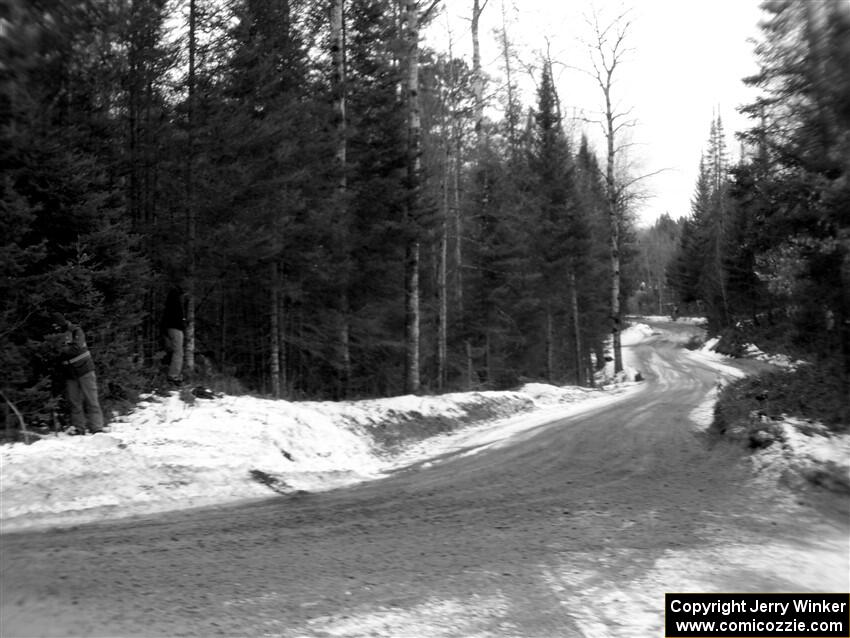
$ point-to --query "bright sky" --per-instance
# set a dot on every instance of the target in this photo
(685, 63)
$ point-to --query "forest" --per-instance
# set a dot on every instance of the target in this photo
(348, 218)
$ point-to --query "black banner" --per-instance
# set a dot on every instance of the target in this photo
(757, 615)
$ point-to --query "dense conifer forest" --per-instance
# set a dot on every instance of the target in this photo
(347, 221)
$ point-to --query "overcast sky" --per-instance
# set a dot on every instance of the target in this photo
(685, 63)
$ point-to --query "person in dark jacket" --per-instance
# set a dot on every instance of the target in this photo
(173, 327)
(80, 381)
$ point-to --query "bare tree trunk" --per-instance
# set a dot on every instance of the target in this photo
(412, 248)
(412, 379)
(550, 346)
(616, 314)
(576, 327)
(222, 337)
(281, 330)
(478, 107)
(511, 114)
(338, 54)
(614, 223)
(488, 358)
(609, 53)
(477, 76)
(458, 224)
(191, 216)
(471, 378)
(274, 308)
(442, 268)
(451, 216)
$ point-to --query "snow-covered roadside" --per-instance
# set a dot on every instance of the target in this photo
(795, 451)
(171, 455)
(804, 453)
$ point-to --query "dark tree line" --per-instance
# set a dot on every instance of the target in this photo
(297, 166)
(767, 247)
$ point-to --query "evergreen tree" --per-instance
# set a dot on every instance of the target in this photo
(595, 274)
(376, 153)
(69, 248)
(560, 234)
(275, 215)
(800, 169)
(699, 272)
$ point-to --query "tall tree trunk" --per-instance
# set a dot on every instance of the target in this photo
(281, 329)
(550, 346)
(412, 248)
(274, 310)
(576, 327)
(442, 263)
(339, 81)
(488, 358)
(458, 221)
(478, 107)
(478, 77)
(412, 379)
(614, 223)
(191, 213)
(511, 97)
(221, 355)
(134, 133)
(471, 377)
(609, 55)
(454, 150)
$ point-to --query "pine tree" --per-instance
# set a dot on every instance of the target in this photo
(377, 155)
(561, 235)
(801, 132)
(595, 274)
(69, 247)
(699, 272)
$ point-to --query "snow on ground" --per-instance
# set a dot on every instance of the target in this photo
(168, 454)
(629, 336)
(802, 451)
(780, 360)
(805, 452)
(695, 321)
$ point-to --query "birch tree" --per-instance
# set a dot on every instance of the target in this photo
(607, 51)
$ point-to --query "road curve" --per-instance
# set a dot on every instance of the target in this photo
(574, 528)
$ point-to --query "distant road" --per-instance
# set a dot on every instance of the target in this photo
(575, 528)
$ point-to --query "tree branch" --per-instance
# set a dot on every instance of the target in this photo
(424, 14)
(17, 412)
(626, 185)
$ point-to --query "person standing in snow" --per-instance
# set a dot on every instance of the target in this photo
(173, 327)
(78, 372)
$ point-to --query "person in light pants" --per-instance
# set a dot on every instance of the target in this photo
(173, 327)
(80, 379)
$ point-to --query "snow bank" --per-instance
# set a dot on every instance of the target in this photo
(632, 335)
(795, 451)
(803, 452)
(693, 321)
(168, 454)
(780, 360)
(636, 333)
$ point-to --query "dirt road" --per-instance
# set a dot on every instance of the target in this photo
(575, 528)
